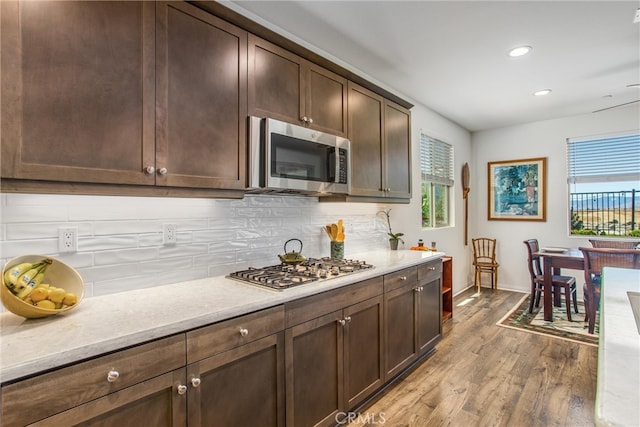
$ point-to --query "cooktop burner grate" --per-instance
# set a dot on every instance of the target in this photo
(283, 276)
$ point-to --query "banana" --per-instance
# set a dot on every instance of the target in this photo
(32, 284)
(12, 274)
(27, 280)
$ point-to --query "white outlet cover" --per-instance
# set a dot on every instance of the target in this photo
(67, 240)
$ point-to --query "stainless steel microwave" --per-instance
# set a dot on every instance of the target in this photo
(287, 158)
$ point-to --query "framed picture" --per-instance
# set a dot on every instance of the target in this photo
(517, 190)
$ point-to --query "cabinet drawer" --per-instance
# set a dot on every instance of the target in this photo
(429, 271)
(35, 398)
(305, 309)
(223, 336)
(400, 278)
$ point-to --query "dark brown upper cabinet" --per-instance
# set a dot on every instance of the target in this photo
(140, 93)
(78, 91)
(287, 87)
(379, 131)
(201, 106)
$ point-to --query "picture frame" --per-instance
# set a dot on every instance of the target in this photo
(517, 190)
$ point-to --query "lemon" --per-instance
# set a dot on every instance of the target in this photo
(70, 299)
(57, 294)
(38, 294)
(45, 303)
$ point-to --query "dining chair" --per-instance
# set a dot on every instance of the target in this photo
(566, 284)
(484, 260)
(615, 244)
(595, 259)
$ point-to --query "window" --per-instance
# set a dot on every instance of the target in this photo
(436, 166)
(604, 183)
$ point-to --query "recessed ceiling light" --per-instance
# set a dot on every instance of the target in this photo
(542, 92)
(519, 51)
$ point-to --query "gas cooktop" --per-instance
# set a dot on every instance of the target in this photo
(283, 276)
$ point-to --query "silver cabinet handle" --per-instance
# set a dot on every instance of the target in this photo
(403, 277)
(195, 382)
(162, 171)
(310, 120)
(149, 170)
(342, 322)
(182, 389)
(244, 332)
(432, 268)
(113, 376)
(347, 319)
(304, 119)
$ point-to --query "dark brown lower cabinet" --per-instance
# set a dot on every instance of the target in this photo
(333, 363)
(240, 387)
(154, 402)
(412, 313)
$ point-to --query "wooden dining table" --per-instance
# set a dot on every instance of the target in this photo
(554, 260)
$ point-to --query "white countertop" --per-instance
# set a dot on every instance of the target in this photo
(618, 392)
(107, 323)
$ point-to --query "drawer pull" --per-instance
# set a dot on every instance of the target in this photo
(403, 277)
(182, 389)
(342, 322)
(195, 382)
(347, 319)
(113, 376)
(149, 170)
(162, 171)
(432, 268)
(244, 332)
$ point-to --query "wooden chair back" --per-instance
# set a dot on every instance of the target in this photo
(484, 250)
(614, 244)
(595, 259)
(534, 264)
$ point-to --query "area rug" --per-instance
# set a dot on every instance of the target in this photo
(577, 330)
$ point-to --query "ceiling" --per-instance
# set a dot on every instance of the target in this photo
(451, 56)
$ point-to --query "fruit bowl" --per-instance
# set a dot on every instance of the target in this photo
(58, 274)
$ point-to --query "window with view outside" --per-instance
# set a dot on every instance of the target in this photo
(436, 167)
(604, 185)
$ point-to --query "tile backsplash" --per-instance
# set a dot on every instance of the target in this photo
(120, 239)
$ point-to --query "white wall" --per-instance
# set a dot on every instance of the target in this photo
(539, 139)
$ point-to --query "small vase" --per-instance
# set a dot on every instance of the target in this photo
(337, 250)
(393, 244)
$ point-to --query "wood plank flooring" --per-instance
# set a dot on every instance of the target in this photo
(486, 375)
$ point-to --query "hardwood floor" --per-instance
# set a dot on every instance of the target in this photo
(486, 375)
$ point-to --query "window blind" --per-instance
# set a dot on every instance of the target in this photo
(436, 161)
(604, 159)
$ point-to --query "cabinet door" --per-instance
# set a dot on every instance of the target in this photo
(274, 82)
(429, 315)
(314, 357)
(400, 312)
(365, 134)
(241, 387)
(397, 129)
(201, 99)
(326, 100)
(77, 83)
(363, 364)
(155, 402)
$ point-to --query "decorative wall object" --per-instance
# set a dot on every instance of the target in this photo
(517, 190)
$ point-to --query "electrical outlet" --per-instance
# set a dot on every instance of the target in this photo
(67, 240)
(169, 234)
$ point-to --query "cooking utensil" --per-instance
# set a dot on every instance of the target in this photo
(340, 235)
(293, 257)
(334, 232)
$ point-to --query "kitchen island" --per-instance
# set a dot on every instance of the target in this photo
(618, 392)
(205, 325)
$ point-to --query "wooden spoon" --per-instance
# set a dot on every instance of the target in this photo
(334, 232)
